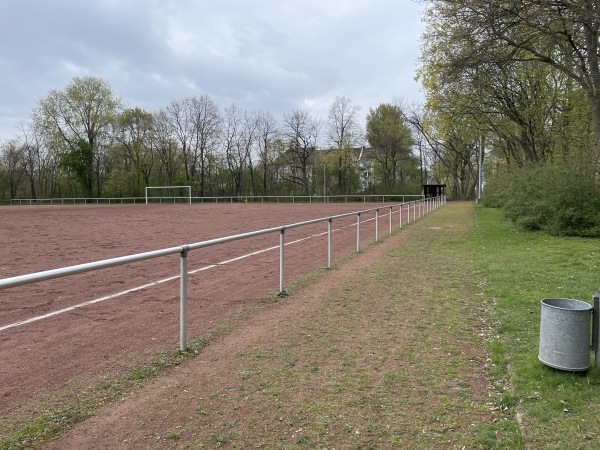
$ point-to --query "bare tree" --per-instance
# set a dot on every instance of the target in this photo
(182, 125)
(207, 128)
(344, 132)
(41, 164)
(239, 138)
(13, 163)
(167, 151)
(455, 153)
(267, 133)
(343, 127)
(301, 132)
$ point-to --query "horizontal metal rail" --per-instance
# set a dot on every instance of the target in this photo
(424, 206)
(347, 198)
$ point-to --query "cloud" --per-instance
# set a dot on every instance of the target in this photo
(273, 56)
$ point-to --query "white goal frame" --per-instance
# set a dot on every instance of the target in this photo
(189, 190)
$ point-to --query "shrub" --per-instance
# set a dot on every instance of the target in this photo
(496, 192)
(560, 199)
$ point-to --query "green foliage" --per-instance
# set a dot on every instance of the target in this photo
(526, 97)
(562, 200)
(80, 161)
(496, 193)
(392, 141)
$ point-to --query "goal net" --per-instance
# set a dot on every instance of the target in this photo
(168, 194)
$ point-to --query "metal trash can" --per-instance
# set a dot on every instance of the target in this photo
(565, 334)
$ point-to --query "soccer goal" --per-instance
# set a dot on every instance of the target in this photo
(168, 194)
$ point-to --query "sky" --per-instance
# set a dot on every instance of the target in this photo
(268, 55)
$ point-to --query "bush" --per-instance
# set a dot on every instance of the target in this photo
(496, 192)
(562, 200)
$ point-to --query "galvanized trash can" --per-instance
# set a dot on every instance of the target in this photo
(565, 334)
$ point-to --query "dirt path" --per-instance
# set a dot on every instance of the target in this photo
(385, 351)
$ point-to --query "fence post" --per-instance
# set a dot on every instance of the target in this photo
(376, 224)
(408, 215)
(183, 298)
(391, 210)
(358, 233)
(329, 243)
(281, 258)
(401, 207)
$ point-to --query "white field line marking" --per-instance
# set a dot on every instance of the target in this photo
(155, 283)
(91, 302)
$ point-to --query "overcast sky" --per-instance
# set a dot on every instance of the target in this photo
(274, 55)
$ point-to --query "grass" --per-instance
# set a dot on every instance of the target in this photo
(556, 409)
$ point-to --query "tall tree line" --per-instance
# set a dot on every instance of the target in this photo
(520, 77)
(82, 142)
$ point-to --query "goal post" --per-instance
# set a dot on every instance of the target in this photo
(171, 193)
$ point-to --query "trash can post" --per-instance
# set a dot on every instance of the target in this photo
(595, 328)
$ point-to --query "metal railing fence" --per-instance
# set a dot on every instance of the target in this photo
(420, 207)
(354, 198)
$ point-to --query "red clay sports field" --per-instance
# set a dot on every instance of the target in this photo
(85, 345)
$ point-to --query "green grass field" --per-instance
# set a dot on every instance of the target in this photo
(555, 409)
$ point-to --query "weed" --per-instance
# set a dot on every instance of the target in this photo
(220, 439)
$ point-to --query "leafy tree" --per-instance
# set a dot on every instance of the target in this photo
(134, 134)
(79, 117)
(79, 159)
(561, 34)
(391, 140)
(524, 108)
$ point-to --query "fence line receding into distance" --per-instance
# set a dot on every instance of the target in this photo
(420, 207)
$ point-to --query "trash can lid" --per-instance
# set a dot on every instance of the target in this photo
(567, 303)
